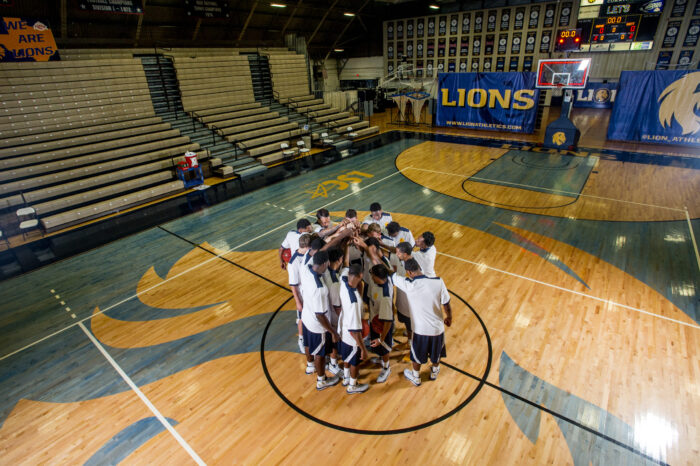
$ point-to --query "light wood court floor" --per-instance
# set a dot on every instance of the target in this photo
(575, 338)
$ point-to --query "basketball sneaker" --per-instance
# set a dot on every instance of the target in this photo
(434, 371)
(408, 373)
(383, 375)
(359, 388)
(327, 382)
(301, 345)
(334, 368)
(310, 369)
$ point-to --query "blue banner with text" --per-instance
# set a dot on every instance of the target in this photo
(489, 101)
(657, 107)
(596, 95)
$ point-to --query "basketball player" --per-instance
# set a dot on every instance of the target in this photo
(332, 278)
(381, 316)
(425, 256)
(319, 336)
(403, 310)
(352, 348)
(295, 262)
(377, 216)
(397, 234)
(291, 241)
(428, 297)
(323, 226)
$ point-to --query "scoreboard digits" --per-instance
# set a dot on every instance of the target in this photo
(615, 29)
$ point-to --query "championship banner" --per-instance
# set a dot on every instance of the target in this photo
(502, 44)
(530, 42)
(691, 36)
(489, 101)
(466, 22)
(399, 30)
(671, 33)
(513, 65)
(527, 64)
(500, 63)
(464, 46)
(431, 27)
(519, 18)
(207, 9)
(515, 43)
(596, 95)
(419, 27)
(664, 59)
(478, 21)
(24, 39)
(685, 58)
(549, 15)
(442, 25)
(491, 21)
(488, 45)
(409, 29)
(545, 41)
(657, 106)
(390, 31)
(678, 10)
(476, 46)
(565, 15)
(134, 7)
(534, 17)
(505, 19)
(454, 21)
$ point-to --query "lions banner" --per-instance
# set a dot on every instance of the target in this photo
(657, 106)
(596, 95)
(23, 39)
(490, 101)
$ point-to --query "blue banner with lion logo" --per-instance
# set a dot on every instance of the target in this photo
(657, 107)
(490, 101)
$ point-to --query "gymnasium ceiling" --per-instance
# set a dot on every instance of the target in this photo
(252, 23)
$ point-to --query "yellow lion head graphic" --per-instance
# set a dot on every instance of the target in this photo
(681, 100)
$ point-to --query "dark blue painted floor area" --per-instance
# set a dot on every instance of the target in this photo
(562, 174)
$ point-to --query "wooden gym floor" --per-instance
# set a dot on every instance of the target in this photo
(575, 338)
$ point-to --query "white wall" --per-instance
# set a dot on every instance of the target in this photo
(365, 67)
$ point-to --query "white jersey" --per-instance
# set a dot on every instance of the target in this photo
(355, 253)
(314, 292)
(402, 304)
(351, 315)
(332, 281)
(426, 295)
(381, 299)
(291, 241)
(318, 227)
(295, 262)
(403, 236)
(426, 260)
(382, 222)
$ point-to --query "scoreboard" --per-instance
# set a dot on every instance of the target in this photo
(615, 29)
(618, 25)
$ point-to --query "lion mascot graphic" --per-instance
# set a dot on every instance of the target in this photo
(681, 100)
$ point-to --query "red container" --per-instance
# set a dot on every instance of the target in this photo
(191, 159)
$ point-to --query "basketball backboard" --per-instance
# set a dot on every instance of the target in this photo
(559, 73)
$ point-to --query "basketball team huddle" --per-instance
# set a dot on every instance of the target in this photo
(337, 271)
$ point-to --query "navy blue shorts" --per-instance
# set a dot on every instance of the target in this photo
(423, 346)
(388, 342)
(319, 344)
(406, 320)
(350, 354)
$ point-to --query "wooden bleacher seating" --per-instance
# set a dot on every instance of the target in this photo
(79, 139)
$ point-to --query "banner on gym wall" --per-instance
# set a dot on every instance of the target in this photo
(25, 39)
(488, 101)
(657, 107)
(596, 95)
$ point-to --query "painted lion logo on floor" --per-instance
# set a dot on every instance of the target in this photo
(681, 100)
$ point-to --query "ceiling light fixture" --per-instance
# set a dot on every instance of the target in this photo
(339, 50)
(278, 5)
(349, 14)
(433, 6)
